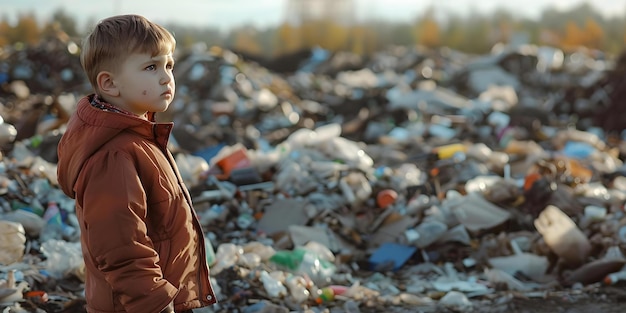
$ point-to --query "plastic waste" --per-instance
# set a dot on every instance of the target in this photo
(426, 233)
(593, 272)
(531, 265)
(210, 252)
(14, 291)
(54, 227)
(496, 276)
(351, 306)
(386, 197)
(298, 288)
(12, 242)
(265, 252)
(347, 151)
(613, 278)
(249, 260)
(562, 235)
(62, 257)
(457, 301)
(325, 294)
(227, 255)
(319, 250)
(273, 286)
(474, 211)
(356, 188)
(302, 261)
(265, 306)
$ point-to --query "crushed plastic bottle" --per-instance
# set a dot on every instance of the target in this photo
(12, 242)
(613, 278)
(53, 227)
(298, 288)
(303, 261)
(210, 252)
(457, 301)
(227, 255)
(273, 286)
(426, 233)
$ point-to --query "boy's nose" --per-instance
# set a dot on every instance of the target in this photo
(167, 77)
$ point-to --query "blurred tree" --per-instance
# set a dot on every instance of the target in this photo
(594, 35)
(310, 33)
(574, 36)
(385, 34)
(188, 36)
(503, 23)
(614, 30)
(472, 32)
(357, 44)
(366, 39)
(5, 32)
(288, 39)
(534, 31)
(266, 38)
(245, 40)
(454, 33)
(26, 30)
(478, 32)
(427, 30)
(335, 37)
(66, 22)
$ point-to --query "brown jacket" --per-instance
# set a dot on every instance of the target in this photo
(142, 242)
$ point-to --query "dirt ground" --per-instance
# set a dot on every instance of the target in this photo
(610, 299)
(604, 299)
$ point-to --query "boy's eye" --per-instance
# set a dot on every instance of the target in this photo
(170, 66)
(151, 67)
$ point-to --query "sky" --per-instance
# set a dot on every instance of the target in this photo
(225, 14)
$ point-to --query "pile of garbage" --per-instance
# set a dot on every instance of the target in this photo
(414, 179)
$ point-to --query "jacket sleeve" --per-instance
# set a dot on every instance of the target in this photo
(115, 209)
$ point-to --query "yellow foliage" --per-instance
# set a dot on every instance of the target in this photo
(288, 39)
(245, 41)
(427, 32)
(574, 36)
(27, 30)
(594, 34)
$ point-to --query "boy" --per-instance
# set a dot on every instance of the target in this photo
(142, 242)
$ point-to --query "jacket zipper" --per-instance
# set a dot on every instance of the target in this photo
(197, 226)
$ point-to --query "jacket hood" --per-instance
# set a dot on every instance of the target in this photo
(88, 130)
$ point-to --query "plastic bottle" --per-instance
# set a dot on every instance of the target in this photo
(448, 151)
(426, 233)
(52, 212)
(226, 256)
(302, 261)
(53, 227)
(274, 287)
(210, 252)
(613, 278)
(325, 294)
(297, 286)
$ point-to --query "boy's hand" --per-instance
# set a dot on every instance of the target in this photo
(169, 308)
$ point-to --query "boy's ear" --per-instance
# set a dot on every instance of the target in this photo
(106, 84)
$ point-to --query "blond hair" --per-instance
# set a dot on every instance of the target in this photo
(116, 37)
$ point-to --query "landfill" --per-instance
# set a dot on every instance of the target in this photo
(413, 180)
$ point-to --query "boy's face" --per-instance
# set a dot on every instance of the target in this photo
(145, 83)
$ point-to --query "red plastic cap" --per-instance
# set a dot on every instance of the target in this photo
(386, 198)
